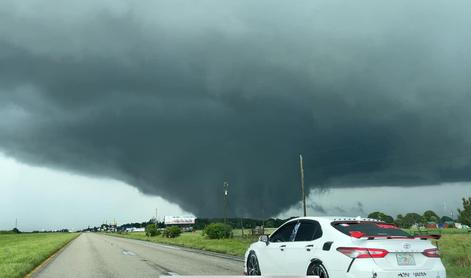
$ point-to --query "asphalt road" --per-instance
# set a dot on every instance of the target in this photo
(96, 255)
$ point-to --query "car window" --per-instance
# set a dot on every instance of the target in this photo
(295, 231)
(284, 233)
(308, 230)
(370, 229)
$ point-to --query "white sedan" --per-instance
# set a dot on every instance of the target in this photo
(343, 247)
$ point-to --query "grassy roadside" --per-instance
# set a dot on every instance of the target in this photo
(21, 253)
(455, 247)
(455, 251)
(234, 246)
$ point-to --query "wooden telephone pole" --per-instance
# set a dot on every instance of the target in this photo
(226, 188)
(302, 183)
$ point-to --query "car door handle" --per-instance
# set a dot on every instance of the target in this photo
(308, 247)
(282, 247)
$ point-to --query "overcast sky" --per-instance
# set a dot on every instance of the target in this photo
(43, 199)
(162, 101)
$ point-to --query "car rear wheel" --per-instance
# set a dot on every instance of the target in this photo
(317, 269)
(253, 268)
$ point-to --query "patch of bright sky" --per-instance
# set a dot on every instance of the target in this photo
(42, 198)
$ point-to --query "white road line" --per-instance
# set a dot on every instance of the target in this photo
(128, 253)
(170, 247)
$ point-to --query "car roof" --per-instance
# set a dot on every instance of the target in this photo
(330, 219)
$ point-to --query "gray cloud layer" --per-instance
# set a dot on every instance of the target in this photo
(175, 97)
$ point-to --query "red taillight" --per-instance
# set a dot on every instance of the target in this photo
(432, 253)
(362, 253)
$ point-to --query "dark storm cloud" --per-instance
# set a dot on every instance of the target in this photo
(316, 208)
(360, 209)
(176, 97)
(339, 209)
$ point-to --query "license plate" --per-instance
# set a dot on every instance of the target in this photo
(405, 259)
(412, 275)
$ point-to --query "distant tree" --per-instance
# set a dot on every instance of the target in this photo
(464, 216)
(431, 216)
(399, 220)
(410, 219)
(151, 230)
(172, 231)
(16, 231)
(270, 223)
(446, 219)
(381, 216)
(200, 223)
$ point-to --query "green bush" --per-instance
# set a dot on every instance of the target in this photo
(151, 230)
(218, 230)
(172, 231)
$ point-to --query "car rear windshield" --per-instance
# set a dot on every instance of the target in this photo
(369, 229)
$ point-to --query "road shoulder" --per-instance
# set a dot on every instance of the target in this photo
(50, 259)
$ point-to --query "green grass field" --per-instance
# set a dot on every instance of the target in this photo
(234, 246)
(456, 254)
(21, 253)
(455, 246)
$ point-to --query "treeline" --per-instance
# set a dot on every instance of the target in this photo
(51, 231)
(428, 217)
(201, 223)
(16, 231)
(12, 231)
(404, 221)
(410, 219)
(238, 223)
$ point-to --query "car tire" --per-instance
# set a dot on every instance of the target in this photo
(253, 268)
(318, 269)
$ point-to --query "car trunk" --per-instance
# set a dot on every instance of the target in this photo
(403, 253)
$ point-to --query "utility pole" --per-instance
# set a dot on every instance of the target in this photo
(226, 187)
(16, 223)
(263, 219)
(302, 183)
(156, 214)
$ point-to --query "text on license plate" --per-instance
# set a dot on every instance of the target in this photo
(405, 259)
(412, 275)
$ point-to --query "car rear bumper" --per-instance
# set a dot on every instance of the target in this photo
(397, 274)
(365, 268)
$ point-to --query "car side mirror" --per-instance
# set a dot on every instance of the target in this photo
(264, 238)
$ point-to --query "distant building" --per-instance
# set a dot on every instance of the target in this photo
(461, 226)
(179, 220)
(132, 229)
